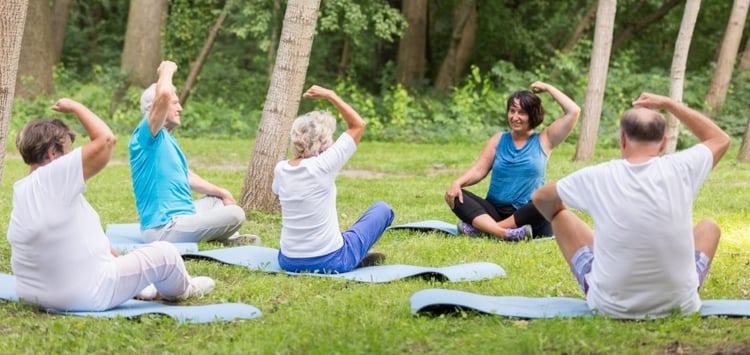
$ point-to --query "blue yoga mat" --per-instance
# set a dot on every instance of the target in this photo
(265, 259)
(125, 237)
(221, 312)
(441, 226)
(441, 301)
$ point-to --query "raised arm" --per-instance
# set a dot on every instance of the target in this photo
(164, 94)
(701, 126)
(354, 123)
(560, 129)
(97, 153)
(475, 174)
(203, 186)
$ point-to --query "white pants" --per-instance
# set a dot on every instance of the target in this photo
(157, 263)
(211, 221)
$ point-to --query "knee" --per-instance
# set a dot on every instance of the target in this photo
(237, 213)
(707, 227)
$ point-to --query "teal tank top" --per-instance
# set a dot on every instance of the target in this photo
(516, 173)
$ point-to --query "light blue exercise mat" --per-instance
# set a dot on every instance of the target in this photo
(265, 259)
(442, 301)
(221, 312)
(445, 227)
(125, 237)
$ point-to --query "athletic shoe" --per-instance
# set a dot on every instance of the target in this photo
(522, 233)
(149, 293)
(372, 259)
(242, 239)
(468, 229)
(199, 286)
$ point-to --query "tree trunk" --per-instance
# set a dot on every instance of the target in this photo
(141, 53)
(60, 14)
(282, 103)
(730, 44)
(605, 19)
(679, 62)
(744, 153)
(581, 28)
(344, 62)
(745, 59)
(410, 61)
(461, 45)
(35, 65)
(12, 20)
(274, 36)
(644, 22)
(195, 69)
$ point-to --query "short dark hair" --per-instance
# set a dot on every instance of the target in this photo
(643, 125)
(37, 136)
(531, 103)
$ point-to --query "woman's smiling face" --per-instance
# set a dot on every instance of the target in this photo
(518, 118)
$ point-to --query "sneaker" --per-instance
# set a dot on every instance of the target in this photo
(372, 259)
(149, 293)
(199, 286)
(468, 229)
(522, 233)
(242, 239)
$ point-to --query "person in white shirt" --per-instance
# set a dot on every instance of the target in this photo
(644, 258)
(306, 186)
(60, 255)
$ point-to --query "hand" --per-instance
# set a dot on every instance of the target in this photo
(114, 252)
(64, 105)
(651, 101)
(453, 192)
(227, 198)
(166, 66)
(538, 87)
(318, 92)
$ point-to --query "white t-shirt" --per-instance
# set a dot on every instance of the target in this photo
(59, 253)
(644, 261)
(307, 192)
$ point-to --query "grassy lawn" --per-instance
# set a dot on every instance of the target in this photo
(321, 315)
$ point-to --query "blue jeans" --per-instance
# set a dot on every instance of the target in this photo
(357, 242)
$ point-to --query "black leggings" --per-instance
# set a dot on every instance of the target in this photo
(475, 206)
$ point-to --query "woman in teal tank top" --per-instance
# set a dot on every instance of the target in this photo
(517, 160)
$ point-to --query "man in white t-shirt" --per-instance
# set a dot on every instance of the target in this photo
(59, 254)
(643, 258)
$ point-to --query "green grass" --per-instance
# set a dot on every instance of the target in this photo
(321, 315)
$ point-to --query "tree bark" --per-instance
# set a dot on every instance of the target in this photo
(410, 61)
(745, 59)
(581, 28)
(12, 21)
(282, 103)
(274, 36)
(679, 62)
(605, 19)
(195, 69)
(141, 53)
(460, 47)
(60, 14)
(717, 91)
(644, 22)
(35, 65)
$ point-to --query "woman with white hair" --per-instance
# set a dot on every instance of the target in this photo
(310, 236)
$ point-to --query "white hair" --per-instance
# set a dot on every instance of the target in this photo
(312, 133)
(148, 97)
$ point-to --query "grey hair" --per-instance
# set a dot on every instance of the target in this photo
(312, 133)
(148, 97)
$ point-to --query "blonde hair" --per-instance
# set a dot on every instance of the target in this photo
(312, 133)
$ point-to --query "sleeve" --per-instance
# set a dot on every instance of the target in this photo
(142, 133)
(335, 157)
(694, 164)
(574, 188)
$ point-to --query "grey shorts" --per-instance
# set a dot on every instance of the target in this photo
(584, 257)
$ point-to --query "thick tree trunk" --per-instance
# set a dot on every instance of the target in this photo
(12, 20)
(410, 61)
(644, 22)
(588, 17)
(605, 19)
(730, 44)
(141, 53)
(282, 103)
(460, 47)
(679, 62)
(60, 14)
(35, 65)
(195, 69)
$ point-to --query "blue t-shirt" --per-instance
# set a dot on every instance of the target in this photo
(160, 177)
(516, 173)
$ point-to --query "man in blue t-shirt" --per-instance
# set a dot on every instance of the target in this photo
(163, 183)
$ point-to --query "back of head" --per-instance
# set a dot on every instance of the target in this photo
(643, 125)
(312, 133)
(37, 136)
(531, 104)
